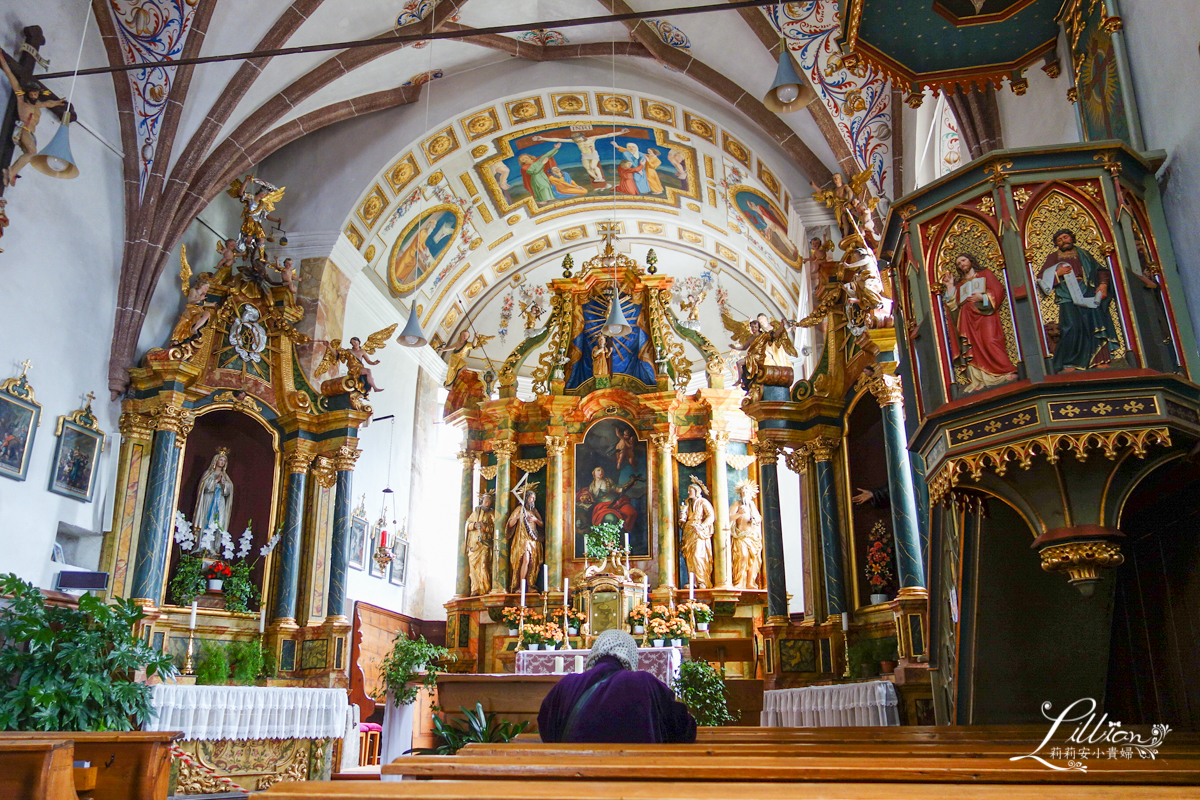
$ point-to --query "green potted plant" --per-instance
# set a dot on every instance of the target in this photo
(698, 611)
(701, 687)
(602, 541)
(679, 631)
(531, 636)
(478, 727)
(215, 574)
(73, 669)
(887, 653)
(409, 666)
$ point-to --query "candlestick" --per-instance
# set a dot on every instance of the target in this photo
(192, 621)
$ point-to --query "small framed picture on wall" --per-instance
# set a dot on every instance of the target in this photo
(399, 565)
(359, 527)
(373, 568)
(19, 416)
(80, 442)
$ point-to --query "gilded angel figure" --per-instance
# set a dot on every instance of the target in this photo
(356, 356)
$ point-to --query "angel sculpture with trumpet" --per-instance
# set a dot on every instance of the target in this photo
(356, 356)
(256, 211)
(765, 344)
(852, 204)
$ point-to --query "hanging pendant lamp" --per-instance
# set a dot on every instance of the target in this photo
(616, 324)
(412, 335)
(789, 91)
(55, 159)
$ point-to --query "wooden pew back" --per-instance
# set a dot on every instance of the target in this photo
(36, 769)
(131, 765)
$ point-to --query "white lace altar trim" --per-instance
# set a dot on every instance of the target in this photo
(845, 705)
(249, 712)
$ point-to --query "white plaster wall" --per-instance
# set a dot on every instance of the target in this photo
(1162, 38)
(1042, 116)
(61, 261)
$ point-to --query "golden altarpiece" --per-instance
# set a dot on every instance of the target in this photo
(610, 436)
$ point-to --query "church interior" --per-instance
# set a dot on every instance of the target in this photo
(839, 351)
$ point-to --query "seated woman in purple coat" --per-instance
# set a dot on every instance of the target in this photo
(613, 702)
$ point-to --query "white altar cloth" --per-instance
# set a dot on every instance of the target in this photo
(838, 706)
(249, 712)
(661, 662)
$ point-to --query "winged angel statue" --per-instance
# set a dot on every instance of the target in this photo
(766, 344)
(356, 356)
(851, 202)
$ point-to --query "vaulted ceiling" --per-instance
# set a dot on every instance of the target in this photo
(195, 128)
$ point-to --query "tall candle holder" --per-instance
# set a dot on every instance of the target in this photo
(189, 668)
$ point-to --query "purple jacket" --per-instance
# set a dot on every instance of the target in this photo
(632, 706)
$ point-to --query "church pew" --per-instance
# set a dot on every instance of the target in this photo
(131, 765)
(824, 749)
(900, 767)
(36, 769)
(678, 790)
(948, 733)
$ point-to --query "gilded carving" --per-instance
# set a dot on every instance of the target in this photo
(402, 173)
(822, 448)
(372, 207)
(440, 145)
(797, 459)
(345, 457)
(765, 450)
(888, 389)
(504, 449)
(1082, 561)
(701, 127)
(522, 111)
(692, 459)
(717, 438)
(323, 471)
(658, 112)
(176, 420)
(136, 426)
(735, 148)
(481, 124)
(556, 446)
(570, 104)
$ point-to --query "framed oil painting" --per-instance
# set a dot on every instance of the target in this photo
(611, 484)
(398, 569)
(422, 245)
(358, 535)
(373, 568)
(79, 444)
(767, 220)
(19, 416)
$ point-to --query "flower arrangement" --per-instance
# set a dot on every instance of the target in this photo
(879, 558)
(659, 629)
(638, 615)
(700, 611)
(678, 628)
(217, 571)
(511, 615)
(660, 612)
(575, 619)
(552, 633)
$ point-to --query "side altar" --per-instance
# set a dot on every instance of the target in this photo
(610, 440)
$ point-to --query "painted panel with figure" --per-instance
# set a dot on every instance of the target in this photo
(1079, 297)
(768, 221)
(554, 166)
(611, 484)
(422, 245)
(976, 314)
(1101, 96)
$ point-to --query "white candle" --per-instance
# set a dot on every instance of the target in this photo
(845, 621)
(558, 665)
(578, 664)
(262, 620)
(626, 543)
(691, 587)
(646, 591)
(545, 577)
(522, 593)
(566, 598)
(192, 621)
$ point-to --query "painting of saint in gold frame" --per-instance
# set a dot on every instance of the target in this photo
(19, 415)
(76, 456)
(611, 484)
(554, 166)
(767, 220)
(422, 245)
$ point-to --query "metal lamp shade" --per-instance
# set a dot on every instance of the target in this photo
(616, 324)
(788, 75)
(412, 335)
(57, 154)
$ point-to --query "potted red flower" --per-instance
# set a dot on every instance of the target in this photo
(216, 573)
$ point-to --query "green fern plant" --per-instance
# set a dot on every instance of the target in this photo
(701, 687)
(477, 727)
(212, 665)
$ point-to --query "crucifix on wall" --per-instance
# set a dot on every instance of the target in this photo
(29, 98)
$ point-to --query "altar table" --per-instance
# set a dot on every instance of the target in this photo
(661, 662)
(838, 706)
(250, 736)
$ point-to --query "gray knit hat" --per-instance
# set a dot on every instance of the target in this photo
(614, 642)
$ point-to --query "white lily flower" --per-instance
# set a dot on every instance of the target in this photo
(245, 543)
(207, 536)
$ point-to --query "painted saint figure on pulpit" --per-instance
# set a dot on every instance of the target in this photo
(481, 529)
(214, 499)
(697, 517)
(1082, 288)
(745, 523)
(525, 541)
(973, 301)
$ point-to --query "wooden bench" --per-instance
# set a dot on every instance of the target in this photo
(677, 790)
(131, 765)
(896, 768)
(36, 769)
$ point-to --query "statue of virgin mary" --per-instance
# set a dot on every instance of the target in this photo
(214, 498)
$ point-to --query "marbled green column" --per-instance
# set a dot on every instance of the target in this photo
(172, 425)
(504, 450)
(556, 446)
(466, 504)
(287, 552)
(831, 534)
(909, 561)
(768, 477)
(722, 538)
(339, 558)
(664, 507)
